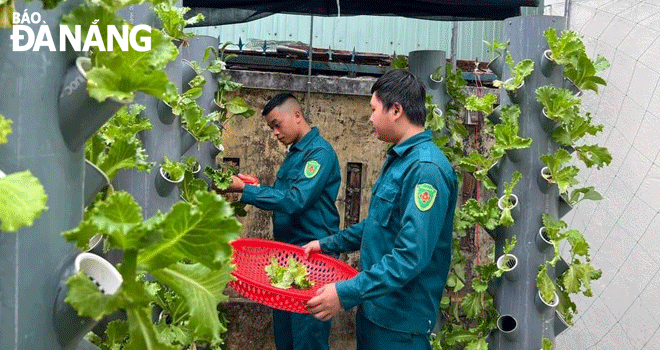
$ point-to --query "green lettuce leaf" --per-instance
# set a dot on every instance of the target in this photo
(482, 104)
(87, 299)
(202, 290)
(22, 199)
(198, 232)
(5, 128)
(143, 333)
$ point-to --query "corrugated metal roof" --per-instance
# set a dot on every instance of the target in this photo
(378, 34)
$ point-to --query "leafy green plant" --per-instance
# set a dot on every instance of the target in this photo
(221, 177)
(580, 273)
(174, 170)
(579, 194)
(569, 50)
(506, 200)
(399, 62)
(563, 176)
(161, 247)
(506, 133)
(173, 21)
(582, 72)
(481, 104)
(519, 71)
(293, 274)
(559, 104)
(545, 285)
(472, 213)
(22, 196)
(437, 74)
(566, 47)
(496, 47)
(546, 344)
(119, 73)
(115, 146)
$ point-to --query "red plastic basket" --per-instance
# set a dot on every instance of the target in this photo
(251, 257)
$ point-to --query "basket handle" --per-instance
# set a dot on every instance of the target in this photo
(253, 250)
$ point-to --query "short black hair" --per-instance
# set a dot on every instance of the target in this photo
(277, 101)
(403, 87)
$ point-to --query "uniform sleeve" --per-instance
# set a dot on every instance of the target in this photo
(426, 192)
(302, 192)
(347, 240)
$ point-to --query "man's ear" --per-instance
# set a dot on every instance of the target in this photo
(397, 109)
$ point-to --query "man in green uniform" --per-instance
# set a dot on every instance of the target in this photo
(405, 242)
(303, 203)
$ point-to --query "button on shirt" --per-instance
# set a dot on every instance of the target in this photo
(405, 242)
(303, 196)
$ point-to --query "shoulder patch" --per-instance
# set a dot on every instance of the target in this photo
(312, 168)
(425, 196)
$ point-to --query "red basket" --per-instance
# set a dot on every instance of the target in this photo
(251, 257)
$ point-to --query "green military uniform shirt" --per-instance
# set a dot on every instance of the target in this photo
(303, 196)
(405, 242)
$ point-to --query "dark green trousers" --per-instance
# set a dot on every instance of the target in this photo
(294, 331)
(371, 336)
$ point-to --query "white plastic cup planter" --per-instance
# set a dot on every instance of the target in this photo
(542, 241)
(508, 326)
(513, 203)
(508, 263)
(434, 84)
(197, 168)
(69, 327)
(79, 114)
(547, 63)
(544, 179)
(165, 185)
(543, 304)
(100, 271)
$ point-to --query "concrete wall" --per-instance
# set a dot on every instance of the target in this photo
(622, 228)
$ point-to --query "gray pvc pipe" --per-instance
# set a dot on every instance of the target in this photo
(162, 140)
(516, 298)
(422, 64)
(31, 259)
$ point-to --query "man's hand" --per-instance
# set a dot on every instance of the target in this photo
(325, 304)
(249, 179)
(237, 185)
(311, 247)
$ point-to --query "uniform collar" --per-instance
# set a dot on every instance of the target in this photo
(302, 143)
(411, 142)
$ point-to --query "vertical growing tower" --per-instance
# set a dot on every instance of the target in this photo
(524, 319)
